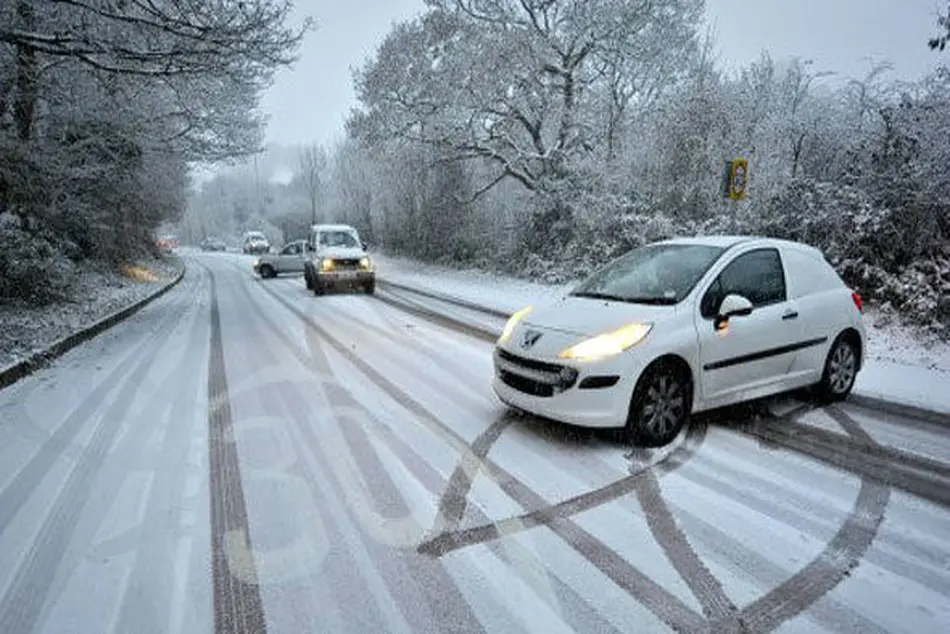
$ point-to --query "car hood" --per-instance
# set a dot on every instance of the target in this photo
(587, 317)
(341, 253)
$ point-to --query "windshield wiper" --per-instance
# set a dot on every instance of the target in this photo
(653, 301)
(604, 296)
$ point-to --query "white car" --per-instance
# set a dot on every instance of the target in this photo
(337, 258)
(290, 259)
(682, 326)
(255, 242)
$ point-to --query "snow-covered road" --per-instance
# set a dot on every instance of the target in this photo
(242, 456)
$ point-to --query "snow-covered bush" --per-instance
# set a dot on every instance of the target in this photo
(32, 267)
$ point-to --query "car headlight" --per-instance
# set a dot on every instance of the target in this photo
(326, 264)
(257, 262)
(607, 344)
(512, 322)
(365, 263)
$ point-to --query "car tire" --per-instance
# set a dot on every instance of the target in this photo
(840, 371)
(369, 287)
(307, 280)
(267, 271)
(660, 406)
(317, 288)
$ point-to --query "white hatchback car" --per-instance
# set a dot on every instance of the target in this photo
(682, 326)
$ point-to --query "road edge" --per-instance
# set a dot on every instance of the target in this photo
(25, 367)
(898, 408)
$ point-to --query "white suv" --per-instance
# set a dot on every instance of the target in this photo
(337, 258)
(682, 326)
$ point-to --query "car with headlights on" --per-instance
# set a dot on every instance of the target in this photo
(255, 243)
(337, 259)
(681, 326)
(292, 258)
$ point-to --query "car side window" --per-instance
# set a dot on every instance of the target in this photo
(291, 249)
(757, 275)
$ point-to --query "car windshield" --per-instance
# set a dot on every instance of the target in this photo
(654, 274)
(341, 238)
(256, 236)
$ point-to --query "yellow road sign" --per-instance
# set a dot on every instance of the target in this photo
(738, 179)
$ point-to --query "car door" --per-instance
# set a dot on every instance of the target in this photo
(299, 258)
(749, 356)
(287, 257)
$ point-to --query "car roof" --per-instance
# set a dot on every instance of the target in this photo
(332, 228)
(729, 241)
(723, 242)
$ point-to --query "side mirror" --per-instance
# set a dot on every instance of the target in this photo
(735, 306)
(732, 306)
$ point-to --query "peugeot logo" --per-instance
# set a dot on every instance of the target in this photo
(529, 338)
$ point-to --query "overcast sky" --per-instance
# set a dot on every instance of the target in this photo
(310, 102)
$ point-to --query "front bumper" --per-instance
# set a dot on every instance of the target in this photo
(587, 395)
(337, 277)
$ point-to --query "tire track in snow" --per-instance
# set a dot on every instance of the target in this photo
(237, 600)
(834, 563)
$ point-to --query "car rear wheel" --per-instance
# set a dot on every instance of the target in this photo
(267, 271)
(841, 370)
(660, 406)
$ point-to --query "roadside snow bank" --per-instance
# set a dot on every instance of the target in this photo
(96, 293)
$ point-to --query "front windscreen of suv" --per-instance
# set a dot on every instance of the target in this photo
(341, 238)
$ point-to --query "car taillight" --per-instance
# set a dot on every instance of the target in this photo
(858, 302)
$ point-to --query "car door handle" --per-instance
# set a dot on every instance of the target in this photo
(792, 314)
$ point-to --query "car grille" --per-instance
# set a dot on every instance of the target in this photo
(346, 264)
(536, 378)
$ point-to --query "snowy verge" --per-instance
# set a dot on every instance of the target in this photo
(902, 368)
(99, 299)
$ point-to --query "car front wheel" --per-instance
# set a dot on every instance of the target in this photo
(840, 372)
(660, 406)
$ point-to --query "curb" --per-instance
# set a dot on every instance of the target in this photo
(22, 369)
(900, 409)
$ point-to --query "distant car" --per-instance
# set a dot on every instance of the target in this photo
(213, 244)
(255, 242)
(681, 326)
(290, 259)
(167, 243)
(337, 258)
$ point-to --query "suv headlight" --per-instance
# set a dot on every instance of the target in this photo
(365, 263)
(512, 322)
(608, 344)
(326, 265)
